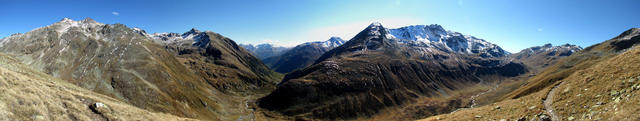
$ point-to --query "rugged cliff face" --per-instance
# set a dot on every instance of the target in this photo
(374, 71)
(125, 63)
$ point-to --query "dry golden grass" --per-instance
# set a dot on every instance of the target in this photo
(32, 95)
(607, 90)
(526, 107)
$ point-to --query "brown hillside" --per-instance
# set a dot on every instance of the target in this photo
(122, 63)
(605, 90)
(578, 61)
(31, 95)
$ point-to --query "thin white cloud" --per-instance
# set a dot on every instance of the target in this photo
(115, 13)
(278, 43)
(269, 41)
(460, 3)
(540, 29)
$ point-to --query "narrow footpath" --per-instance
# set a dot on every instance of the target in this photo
(548, 103)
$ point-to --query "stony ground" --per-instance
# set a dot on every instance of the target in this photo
(32, 95)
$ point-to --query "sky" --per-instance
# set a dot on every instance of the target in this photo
(511, 24)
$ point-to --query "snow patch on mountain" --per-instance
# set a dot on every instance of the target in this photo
(331, 43)
(552, 49)
(265, 50)
(436, 36)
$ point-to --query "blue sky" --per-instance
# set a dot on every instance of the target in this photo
(512, 24)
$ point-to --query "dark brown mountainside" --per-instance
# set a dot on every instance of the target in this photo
(373, 71)
(125, 64)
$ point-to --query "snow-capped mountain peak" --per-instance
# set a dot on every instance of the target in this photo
(436, 36)
(65, 20)
(550, 48)
(330, 43)
(375, 24)
(333, 42)
(191, 32)
(424, 33)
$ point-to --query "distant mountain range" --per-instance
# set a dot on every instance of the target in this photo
(427, 37)
(302, 55)
(265, 50)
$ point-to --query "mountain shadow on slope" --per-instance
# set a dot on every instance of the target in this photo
(374, 71)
